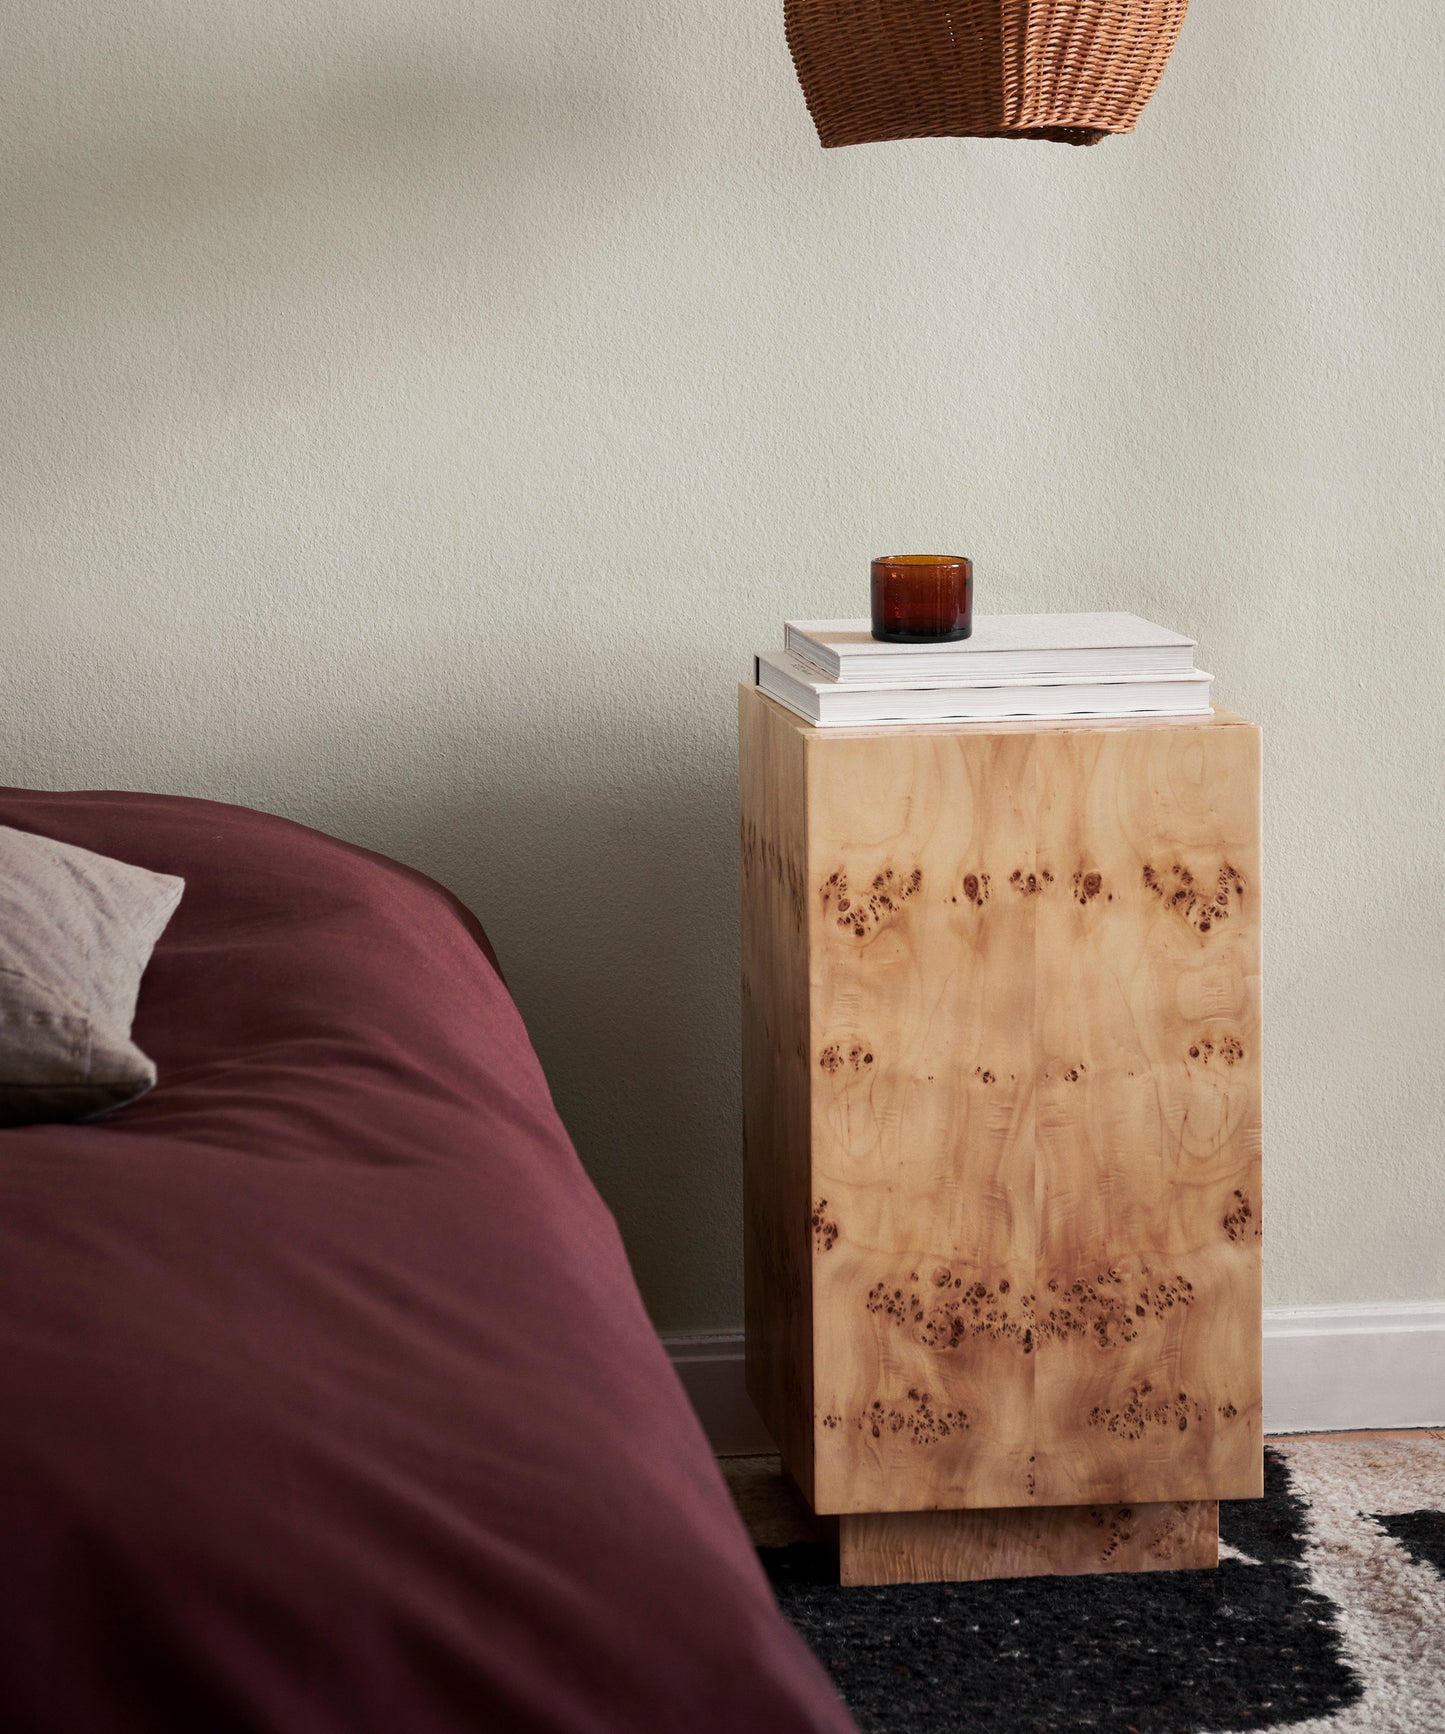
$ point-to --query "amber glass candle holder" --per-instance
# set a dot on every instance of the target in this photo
(922, 598)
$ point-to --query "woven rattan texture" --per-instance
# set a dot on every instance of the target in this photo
(1069, 70)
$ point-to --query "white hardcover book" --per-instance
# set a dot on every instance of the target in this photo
(798, 685)
(1001, 647)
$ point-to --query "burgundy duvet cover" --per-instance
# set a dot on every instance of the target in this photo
(327, 1402)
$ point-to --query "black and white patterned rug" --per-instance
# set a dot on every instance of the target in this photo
(1326, 1615)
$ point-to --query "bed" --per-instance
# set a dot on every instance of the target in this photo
(327, 1400)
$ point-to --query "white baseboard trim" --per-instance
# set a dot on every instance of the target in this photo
(710, 1365)
(1332, 1369)
(1340, 1369)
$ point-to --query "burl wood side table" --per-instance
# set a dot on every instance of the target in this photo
(1001, 1070)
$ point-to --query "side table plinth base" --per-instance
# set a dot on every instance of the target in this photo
(1071, 1540)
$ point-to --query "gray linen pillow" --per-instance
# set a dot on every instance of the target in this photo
(76, 933)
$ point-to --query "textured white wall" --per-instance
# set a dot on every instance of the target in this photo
(414, 413)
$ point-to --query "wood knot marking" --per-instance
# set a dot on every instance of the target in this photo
(1171, 1533)
(1230, 1051)
(1105, 1309)
(1239, 1222)
(825, 1230)
(835, 1058)
(1030, 884)
(1119, 1530)
(1143, 1409)
(1087, 886)
(1203, 909)
(863, 913)
(984, 1077)
(923, 1424)
(976, 889)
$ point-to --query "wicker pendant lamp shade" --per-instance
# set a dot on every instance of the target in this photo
(1073, 71)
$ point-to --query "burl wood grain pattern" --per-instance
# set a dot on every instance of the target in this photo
(1025, 976)
(1067, 1540)
(777, 1161)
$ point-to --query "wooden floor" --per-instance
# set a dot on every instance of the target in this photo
(1361, 1438)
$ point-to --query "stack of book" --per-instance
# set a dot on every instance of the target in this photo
(1013, 665)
